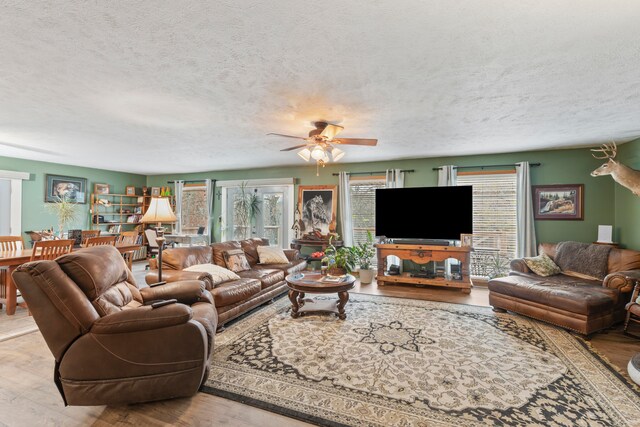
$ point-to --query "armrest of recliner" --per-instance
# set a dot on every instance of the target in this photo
(518, 264)
(186, 292)
(623, 281)
(179, 275)
(292, 254)
(142, 319)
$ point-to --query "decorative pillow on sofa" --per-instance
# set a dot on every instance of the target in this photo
(219, 274)
(272, 255)
(236, 260)
(542, 265)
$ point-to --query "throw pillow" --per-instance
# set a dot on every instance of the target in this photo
(218, 274)
(236, 260)
(542, 265)
(272, 255)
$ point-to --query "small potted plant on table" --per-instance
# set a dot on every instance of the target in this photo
(339, 261)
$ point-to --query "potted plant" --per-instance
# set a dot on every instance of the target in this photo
(65, 211)
(246, 208)
(364, 254)
(339, 261)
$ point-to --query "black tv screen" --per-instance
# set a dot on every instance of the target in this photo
(424, 212)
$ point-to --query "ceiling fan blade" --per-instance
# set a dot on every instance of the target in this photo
(331, 130)
(293, 148)
(288, 136)
(35, 150)
(356, 141)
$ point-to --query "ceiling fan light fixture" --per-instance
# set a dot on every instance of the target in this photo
(318, 153)
(305, 153)
(337, 154)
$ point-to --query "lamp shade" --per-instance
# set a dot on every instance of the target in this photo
(305, 154)
(317, 153)
(337, 154)
(159, 211)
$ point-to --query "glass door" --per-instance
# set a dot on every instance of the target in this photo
(260, 211)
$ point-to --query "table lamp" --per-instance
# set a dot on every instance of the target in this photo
(159, 211)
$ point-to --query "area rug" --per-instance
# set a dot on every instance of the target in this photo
(400, 362)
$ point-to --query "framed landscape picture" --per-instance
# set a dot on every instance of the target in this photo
(71, 188)
(561, 201)
(101, 188)
(317, 205)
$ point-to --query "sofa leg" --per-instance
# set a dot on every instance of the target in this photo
(499, 310)
(220, 329)
(271, 301)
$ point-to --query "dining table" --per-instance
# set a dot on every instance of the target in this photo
(13, 259)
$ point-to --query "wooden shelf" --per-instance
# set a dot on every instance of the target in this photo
(117, 202)
(436, 281)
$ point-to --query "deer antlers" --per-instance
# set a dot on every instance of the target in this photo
(609, 151)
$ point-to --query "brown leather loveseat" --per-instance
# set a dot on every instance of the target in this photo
(580, 304)
(258, 284)
(110, 345)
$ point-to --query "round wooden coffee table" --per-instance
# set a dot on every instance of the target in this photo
(315, 283)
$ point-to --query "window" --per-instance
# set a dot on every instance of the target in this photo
(363, 206)
(494, 219)
(195, 213)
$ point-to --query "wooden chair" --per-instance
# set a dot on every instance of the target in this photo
(633, 310)
(51, 249)
(88, 234)
(11, 243)
(128, 238)
(99, 241)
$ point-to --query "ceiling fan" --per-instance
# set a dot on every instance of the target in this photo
(321, 143)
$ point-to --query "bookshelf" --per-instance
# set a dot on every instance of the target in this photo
(114, 213)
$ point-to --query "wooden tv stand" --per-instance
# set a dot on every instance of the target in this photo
(422, 254)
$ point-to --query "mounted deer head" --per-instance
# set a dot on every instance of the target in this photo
(623, 175)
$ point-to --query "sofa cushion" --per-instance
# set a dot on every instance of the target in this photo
(272, 255)
(561, 291)
(250, 248)
(219, 248)
(542, 265)
(288, 268)
(236, 260)
(232, 292)
(268, 277)
(181, 258)
(218, 274)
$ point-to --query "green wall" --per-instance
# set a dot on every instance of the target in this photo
(627, 205)
(34, 214)
(558, 167)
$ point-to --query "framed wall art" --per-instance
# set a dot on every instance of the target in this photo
(130, 190)
(71, 188)
(466, 240)
(318, 207)
(101, 188)
(155, 191)
(558, 202)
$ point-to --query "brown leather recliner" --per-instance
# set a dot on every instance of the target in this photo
(110, 345)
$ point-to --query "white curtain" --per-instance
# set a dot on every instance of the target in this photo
(344, 206)
(179, 185)
(209, 194)
(447, 176)
(526, 230)
(394, 178)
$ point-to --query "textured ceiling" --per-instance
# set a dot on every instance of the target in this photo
(181, 86)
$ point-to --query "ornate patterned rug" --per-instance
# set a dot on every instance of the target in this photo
(400, 362)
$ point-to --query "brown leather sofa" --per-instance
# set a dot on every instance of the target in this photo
(111, 347)
(578, 304)
(259, 284)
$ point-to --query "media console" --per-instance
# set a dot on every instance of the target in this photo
(422, 254)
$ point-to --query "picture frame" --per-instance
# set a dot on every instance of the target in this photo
(317, 205)
(466, 240)
(72, 188)
(130, 190)
(155, 191)
(101, 188)
(558, 202)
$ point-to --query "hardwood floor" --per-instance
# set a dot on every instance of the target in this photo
(29, 397)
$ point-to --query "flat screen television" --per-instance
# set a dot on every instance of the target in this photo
(424, 213)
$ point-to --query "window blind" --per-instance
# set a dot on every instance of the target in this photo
(363, 207)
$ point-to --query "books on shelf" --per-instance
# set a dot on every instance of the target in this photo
(114, 229)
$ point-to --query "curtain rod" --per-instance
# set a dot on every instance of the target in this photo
(195, 180)
(373, 172)
(488, 166)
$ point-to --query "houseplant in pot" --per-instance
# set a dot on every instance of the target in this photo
(339, 261)
(65, 210)
(364, 254)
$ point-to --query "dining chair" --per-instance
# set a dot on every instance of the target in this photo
(51, 249)
(11, 243)
(88, 234)
(99, 241)
(128, 238)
